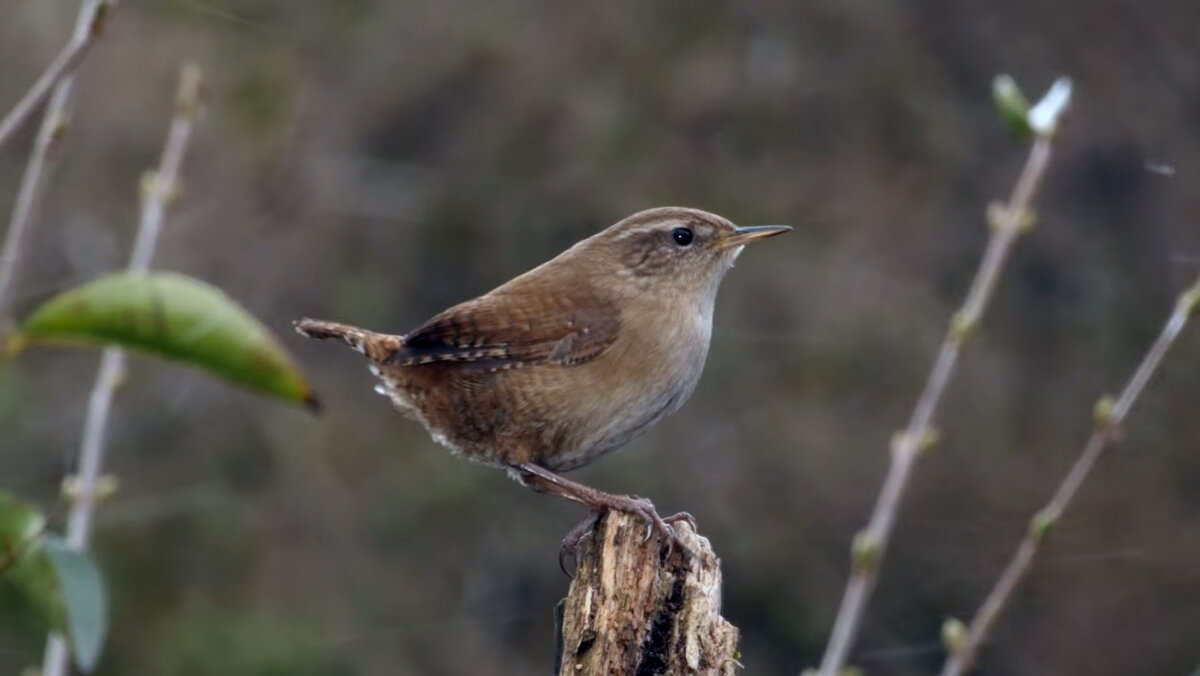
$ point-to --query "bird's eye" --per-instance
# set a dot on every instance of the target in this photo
(682, 236)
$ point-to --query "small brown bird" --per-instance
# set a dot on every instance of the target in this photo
(570, 360)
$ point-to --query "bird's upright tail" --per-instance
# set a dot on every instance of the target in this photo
(376, 346)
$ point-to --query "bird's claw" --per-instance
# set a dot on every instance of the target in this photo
(654, 522)
(639, 507)
(575, 537)
(683, 516)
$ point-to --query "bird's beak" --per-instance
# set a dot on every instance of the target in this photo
(751, 233)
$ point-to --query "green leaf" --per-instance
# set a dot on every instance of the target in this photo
(177, 317)
(84, 599)
(62, 586)
(22, 563)
(1011, 106)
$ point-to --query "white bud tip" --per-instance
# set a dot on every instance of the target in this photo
(1044, 117)
(1160, 168)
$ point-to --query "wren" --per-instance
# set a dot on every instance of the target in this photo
(570, 360)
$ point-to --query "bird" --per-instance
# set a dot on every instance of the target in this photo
(570, 360)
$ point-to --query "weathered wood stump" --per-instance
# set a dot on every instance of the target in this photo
(631, 609)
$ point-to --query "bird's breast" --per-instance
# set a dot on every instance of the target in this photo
(647, 374)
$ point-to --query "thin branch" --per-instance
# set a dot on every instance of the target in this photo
(870, 544)
(87, 26)
(158, 191)
(64, 64)
(963, 643)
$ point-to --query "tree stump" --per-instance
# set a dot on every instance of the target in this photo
(631, 609)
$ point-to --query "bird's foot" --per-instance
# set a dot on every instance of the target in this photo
(545, 481)
(682, 516)
(645, 509)
(575, 537)
(639, 507)
(654, 522)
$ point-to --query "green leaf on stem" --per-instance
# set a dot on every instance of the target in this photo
(84, 599)
(176, 317)
(22, 564)
(61, 586)
(1011, 106)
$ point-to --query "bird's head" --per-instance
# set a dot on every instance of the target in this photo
(674, 249)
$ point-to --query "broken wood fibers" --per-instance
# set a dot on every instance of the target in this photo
(630, 610)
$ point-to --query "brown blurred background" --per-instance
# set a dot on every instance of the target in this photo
(376, 161)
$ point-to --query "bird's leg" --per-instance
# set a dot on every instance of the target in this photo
(543, 480)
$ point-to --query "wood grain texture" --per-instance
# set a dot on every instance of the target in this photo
(629, 611)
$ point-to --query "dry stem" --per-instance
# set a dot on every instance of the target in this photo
(1109, 417)
(158, 190)
(87, 25)
(870, 544)
(64, 64)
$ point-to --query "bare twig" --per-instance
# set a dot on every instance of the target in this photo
(87, 26)
(158, 191)
(65, 63)
(963, 643)
(870, 544)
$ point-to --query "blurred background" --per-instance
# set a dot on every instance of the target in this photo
(376, 161)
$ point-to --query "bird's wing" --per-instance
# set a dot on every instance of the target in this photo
(501, 330)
